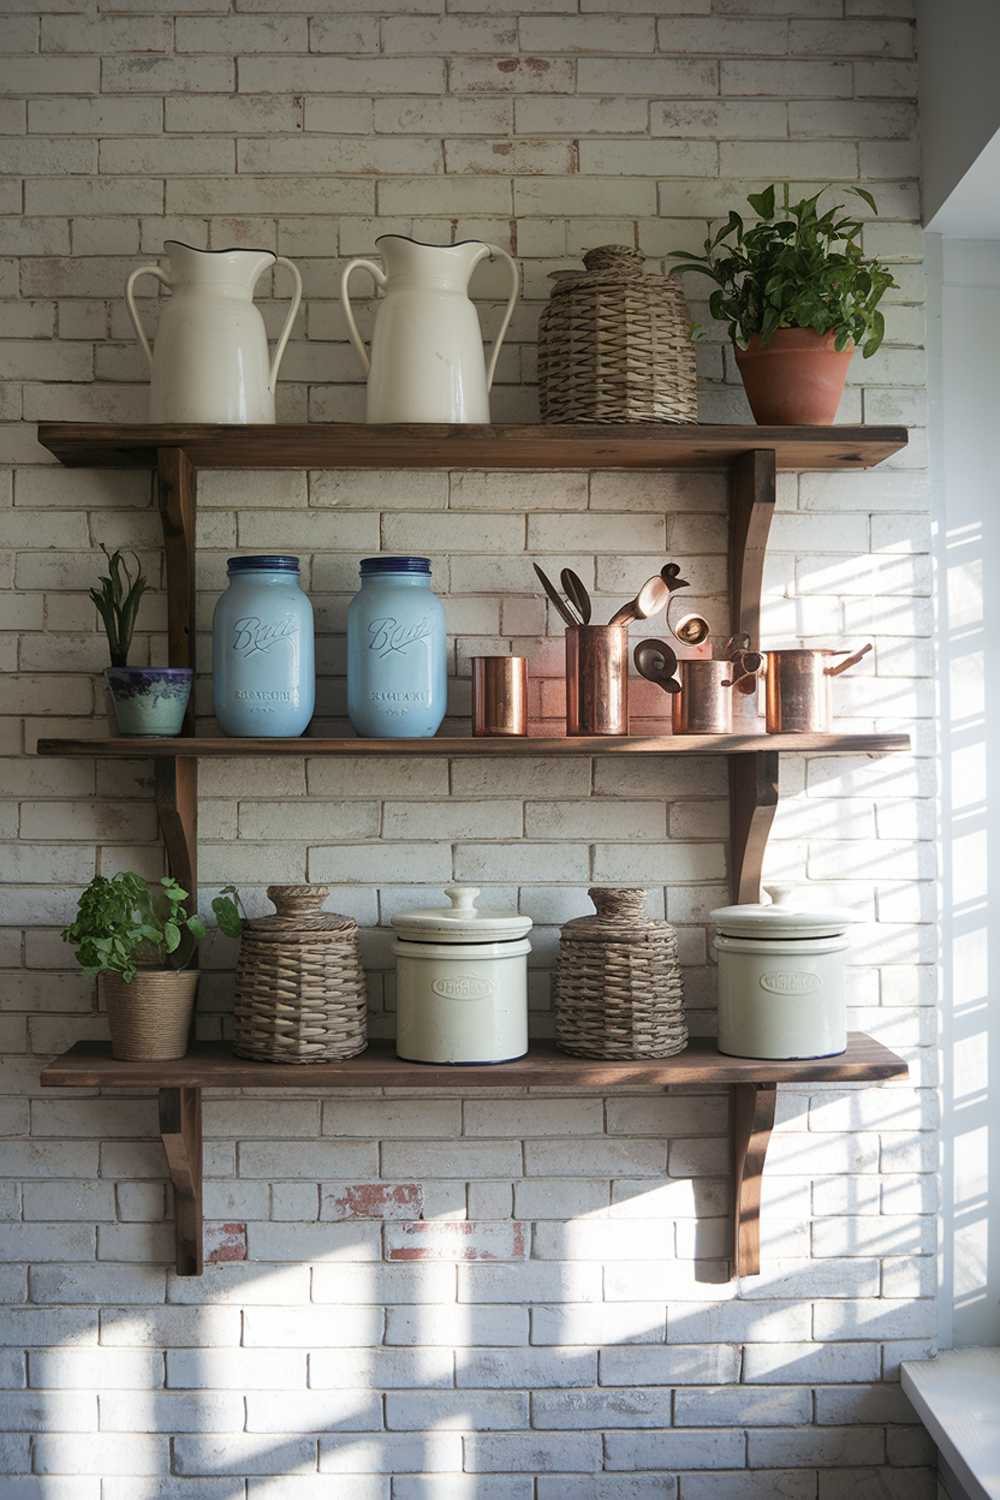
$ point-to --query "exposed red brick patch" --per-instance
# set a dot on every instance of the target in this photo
(225, 1242)
(456, 1239)
(375, 1200)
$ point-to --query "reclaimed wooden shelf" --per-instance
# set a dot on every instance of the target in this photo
(431, 445)
(212, 1065)
(591, 744)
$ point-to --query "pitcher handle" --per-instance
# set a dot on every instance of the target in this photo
(140, 332)
(283, 337)
(511, 302)
(851, 661)
(380, 279)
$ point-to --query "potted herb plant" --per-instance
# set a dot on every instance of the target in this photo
(799, 296)
(138, 940)
(147, 700)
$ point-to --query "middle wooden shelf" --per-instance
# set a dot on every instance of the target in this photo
(687, 744)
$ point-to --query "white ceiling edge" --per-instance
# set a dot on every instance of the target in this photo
(971, 210)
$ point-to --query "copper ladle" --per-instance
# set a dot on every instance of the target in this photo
(657, 662)
(648, 601)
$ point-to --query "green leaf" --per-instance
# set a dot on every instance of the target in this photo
(196, 927)
(171, 936)
(866, 197)
(762, 203)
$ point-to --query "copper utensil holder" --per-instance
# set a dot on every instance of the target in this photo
(799, 699)
(499, 695)
(704, 704)
(597, 679)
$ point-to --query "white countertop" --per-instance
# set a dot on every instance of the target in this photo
(957, 1397)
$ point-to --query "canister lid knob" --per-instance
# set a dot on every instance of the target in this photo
(462, 898)
(781, 895)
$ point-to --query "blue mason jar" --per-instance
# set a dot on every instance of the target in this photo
(263, 650)
(397, 678)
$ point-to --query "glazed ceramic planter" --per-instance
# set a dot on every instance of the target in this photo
(150, 1019)
(796, 379)
(149, 700)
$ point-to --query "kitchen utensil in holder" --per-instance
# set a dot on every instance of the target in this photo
(596, 679)
(704, 704)
(500, 695)
(300, 987)
(618, 990)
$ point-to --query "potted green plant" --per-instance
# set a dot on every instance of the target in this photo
(138, 939)
(147, 700)
(799, 296)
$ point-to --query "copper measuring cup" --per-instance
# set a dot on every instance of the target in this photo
(798, 694)
(701, 689)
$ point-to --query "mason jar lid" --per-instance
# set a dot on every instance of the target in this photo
(269, 562)
(371, 565)
(782, 917)
(462, 921)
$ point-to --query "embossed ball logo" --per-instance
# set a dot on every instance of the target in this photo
(790, 984)
(464, 987)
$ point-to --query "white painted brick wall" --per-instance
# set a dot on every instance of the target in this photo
(495, 1298)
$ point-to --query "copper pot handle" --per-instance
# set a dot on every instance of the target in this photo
(850, 661)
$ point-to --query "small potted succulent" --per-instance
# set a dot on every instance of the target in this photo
(799, 296)
(147, 700)
(138, 940)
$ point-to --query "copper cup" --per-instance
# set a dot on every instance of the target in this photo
(703, 705)
(499, 695)
(798, 695)
(597, 679)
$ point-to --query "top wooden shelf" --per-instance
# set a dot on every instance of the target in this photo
(353, 445)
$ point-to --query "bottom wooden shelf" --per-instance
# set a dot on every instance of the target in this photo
(212, 1065)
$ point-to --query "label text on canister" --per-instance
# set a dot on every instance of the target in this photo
(464, 987)
(790, 984)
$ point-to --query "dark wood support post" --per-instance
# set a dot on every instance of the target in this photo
(752, 490)
(751, 1120)
(180, 1129)
(175, 487)
(176, 781)
(753, 801)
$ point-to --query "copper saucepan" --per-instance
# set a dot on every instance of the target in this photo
(799, 699)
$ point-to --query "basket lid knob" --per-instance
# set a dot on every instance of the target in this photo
(614, 257)
(617, 902)
(298, 900)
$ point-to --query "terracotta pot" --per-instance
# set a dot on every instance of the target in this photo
(796, 380)
(150, 1018)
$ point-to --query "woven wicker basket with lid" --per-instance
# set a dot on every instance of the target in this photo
(618, 989)
(300, 987)
(614, 344)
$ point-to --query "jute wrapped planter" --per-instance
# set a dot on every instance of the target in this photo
(618, 991)
(150, 1019)
(300, 987)
(614, 344)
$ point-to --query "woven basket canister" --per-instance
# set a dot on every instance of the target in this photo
(614, 344)
(618, 985)
(300, 987)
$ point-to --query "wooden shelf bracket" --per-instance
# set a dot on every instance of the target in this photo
(753, 801)
(751, 1120)
(180, 1131)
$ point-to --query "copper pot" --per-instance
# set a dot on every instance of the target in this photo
(499, 695)
(704, 704)
(597, 679)
(799, 699)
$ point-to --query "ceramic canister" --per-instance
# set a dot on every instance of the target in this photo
(263, 650)
(397, 679)
(781, 979)
(461, 982)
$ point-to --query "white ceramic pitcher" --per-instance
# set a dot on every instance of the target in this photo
(211, 361)
(427, 362)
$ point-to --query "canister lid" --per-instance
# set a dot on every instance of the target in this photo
(784, 916)
(462, 921)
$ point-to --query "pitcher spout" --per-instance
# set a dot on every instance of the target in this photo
(232, 270)
(443, 267)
